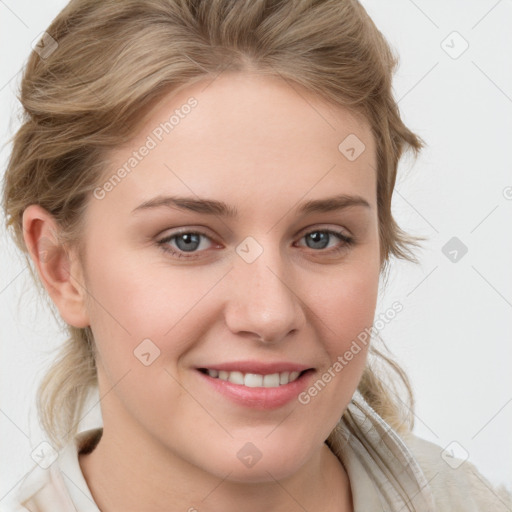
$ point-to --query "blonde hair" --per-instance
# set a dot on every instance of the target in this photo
(114, 60)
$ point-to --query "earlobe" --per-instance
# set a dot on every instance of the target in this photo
(58, 268)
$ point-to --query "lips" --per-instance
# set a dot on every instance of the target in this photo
(257, 385)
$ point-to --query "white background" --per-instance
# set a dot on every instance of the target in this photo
(454, 334)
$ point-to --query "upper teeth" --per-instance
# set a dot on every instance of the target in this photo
(255, 380)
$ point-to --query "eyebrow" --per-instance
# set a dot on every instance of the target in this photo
(219, 208)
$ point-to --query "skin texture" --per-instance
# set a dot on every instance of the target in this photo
(170, 441)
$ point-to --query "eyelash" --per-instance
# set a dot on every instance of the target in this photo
(348, 241)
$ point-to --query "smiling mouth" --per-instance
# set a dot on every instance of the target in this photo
(254, 380)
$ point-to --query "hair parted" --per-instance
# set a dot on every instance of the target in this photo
(115, 60)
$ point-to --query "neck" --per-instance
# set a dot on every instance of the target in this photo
(129, 476)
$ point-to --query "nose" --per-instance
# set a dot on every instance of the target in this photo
(263, 300)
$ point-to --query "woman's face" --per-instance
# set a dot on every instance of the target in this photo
(204, 306)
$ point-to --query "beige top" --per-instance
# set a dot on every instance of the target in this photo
(386, 473)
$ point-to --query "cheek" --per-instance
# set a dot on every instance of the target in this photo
(125, 293)
(346, 308)
(345, 312)
(131, 301)
(346, 304)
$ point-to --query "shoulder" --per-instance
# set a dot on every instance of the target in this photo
(44, 488)
(12, 507)
(456, 484)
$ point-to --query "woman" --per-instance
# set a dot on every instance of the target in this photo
(204, 188)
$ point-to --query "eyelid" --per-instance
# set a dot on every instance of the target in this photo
(203, 230)
(323, 227)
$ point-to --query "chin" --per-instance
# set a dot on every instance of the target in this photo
(261, 461)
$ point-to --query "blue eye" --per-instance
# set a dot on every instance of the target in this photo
(186, 242)
(190, 241)
(319, 237)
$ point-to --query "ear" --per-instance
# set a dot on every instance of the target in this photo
(59, 269)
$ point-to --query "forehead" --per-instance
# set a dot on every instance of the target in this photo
(238, 137)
